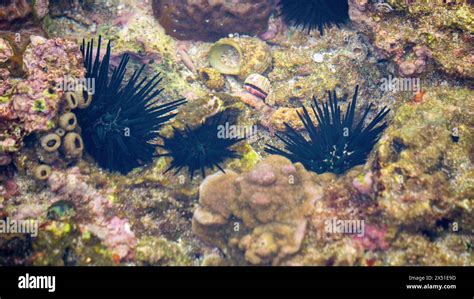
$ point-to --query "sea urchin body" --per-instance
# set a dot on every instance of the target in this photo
(121, 122)
(200, 148)
(312, 14)
(336, 143)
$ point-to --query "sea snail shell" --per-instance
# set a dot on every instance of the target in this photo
(258, 85)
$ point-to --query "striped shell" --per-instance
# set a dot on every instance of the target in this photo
(258, 85)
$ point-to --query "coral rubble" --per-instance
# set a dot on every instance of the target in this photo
(21, 13)
(427, 35)
(423, 166)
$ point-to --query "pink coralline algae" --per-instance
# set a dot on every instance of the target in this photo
(5, 159)
(29, 105)
(388, 44)
(277, 31)
(5, 52)
(363, 183)
(374, 238)
(95, 211)
(8, 189)
(17, 12)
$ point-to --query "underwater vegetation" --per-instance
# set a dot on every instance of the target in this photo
(312, 14)
(200, 148)
(335, 144)
(121, 120)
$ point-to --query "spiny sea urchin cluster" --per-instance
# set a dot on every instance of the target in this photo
(312, 14)
(336, 143)
(123, 117)
(200, 148)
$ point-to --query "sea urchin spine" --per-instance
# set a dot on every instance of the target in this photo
(200, 148)
(312, 14)
(122, 120)
(335, 144)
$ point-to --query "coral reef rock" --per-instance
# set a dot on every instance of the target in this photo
(240, 56)
(209, 20)
(13, 13)
(262, 212)
(297, 75)
(95, 211)
(423, 165)
(427, 32)
(30, 103)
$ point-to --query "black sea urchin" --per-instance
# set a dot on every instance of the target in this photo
(121, 122)
(335, 144)
(312, 14)
(202, 147)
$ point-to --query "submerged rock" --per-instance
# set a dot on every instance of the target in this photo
(210, 20)
(262, 212)
(414, 34)
(410, 204)
(29, 104)
(21, 13)
(424, 164)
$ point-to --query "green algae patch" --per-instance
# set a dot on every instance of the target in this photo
(425, 158)
(159, 251)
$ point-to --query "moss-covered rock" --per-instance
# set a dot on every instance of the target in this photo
(159, 251)
(423, 165)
